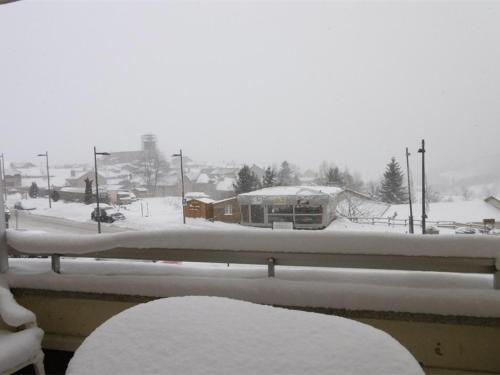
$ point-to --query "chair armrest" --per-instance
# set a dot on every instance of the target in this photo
(11, 312)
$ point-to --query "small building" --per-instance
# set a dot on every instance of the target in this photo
(307, 207)
(227, 210)
(199, 208)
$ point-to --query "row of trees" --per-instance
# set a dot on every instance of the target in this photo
(248, 181)
(391, 189)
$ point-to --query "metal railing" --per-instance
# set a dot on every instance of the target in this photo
(389, 221)
(291, 250)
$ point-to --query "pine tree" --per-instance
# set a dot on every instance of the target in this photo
(392, 190)
(286, 176)
(55, 195)
(33, 192)
(88, 191)
(247, 181)
(269, 178)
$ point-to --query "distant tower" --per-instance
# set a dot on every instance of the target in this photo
(148, 142)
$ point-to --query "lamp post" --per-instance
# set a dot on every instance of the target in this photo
(424, 216)
(182, 183)
(3, 176)
(97, 188)
(409, 189)
(46, 155)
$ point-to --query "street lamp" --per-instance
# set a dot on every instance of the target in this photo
(409, 189)
(2, 166)
(182, 182)
(424, 216)
(97, 188)
(46, 156)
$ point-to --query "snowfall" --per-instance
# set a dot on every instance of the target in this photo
(166, 213)
(209, 335)
(350, 289)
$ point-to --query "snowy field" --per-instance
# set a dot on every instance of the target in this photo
(166, 213)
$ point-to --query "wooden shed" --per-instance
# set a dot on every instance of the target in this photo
(227, 210)
(199, 208)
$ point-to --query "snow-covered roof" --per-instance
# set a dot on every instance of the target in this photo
(295, 190)
(196, 195)
(226, 184)
(224, 200)
(204, 200)
(203, 179)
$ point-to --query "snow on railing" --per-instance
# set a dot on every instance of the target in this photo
(444, 253)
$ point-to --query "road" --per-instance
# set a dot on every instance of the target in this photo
(27, 220)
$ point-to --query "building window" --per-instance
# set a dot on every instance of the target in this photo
(228, 209)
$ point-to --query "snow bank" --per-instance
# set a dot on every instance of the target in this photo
(207, 335)
(351, 289)
(277, 241)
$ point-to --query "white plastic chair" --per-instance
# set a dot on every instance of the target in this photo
(21, 342)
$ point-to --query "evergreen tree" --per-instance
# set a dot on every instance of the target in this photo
(269, 178)
(392, 190)
(88, 191)
(33, 192)
(247, 181)
(286, 176)
(55, 195)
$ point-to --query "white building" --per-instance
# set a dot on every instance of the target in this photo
(307, 207)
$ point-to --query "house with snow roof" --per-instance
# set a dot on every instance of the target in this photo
(306, 207)
(79, 180)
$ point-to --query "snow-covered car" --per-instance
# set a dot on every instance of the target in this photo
(467, 230)
(432, 230)
(108, 215)
(24, 205)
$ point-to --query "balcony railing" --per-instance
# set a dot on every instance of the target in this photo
(275, 248)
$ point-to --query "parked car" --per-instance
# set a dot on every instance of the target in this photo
(108, 214)
(467, 230)
(432, 230)
(24, 205)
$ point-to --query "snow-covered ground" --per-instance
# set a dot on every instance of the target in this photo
(145, 214)
(460, 211)
(166, 213)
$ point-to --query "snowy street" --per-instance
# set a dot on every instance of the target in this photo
(29, 221)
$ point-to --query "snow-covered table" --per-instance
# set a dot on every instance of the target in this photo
(211, 335)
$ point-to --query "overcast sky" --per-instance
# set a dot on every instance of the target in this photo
(348, 82)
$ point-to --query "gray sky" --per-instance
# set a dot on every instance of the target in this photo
(348, 82)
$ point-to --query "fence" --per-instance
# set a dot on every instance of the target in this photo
(417, 222)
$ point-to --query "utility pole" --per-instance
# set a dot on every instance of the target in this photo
(182, 183)
(97, 188)
(46, 155)
(3, 177)
(424, 216)
(409, 189)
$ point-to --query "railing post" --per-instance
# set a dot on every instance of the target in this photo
(4, 258)
(270, 267)
(56, 263)
(496, 275)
